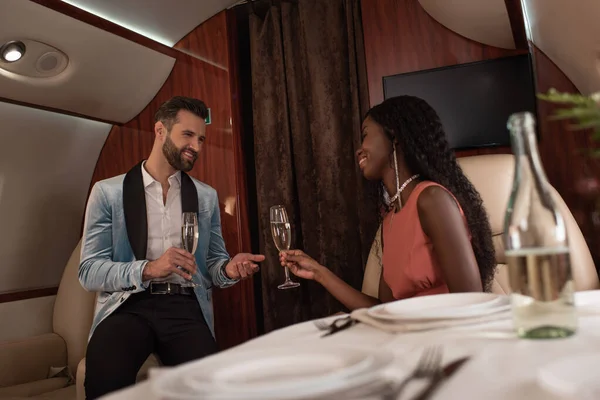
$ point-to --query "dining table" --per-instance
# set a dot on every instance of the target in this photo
(500, 365)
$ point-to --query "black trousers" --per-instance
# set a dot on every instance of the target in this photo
(172, 326)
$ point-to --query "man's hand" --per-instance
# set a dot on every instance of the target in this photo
(168, 263)
(243, 265)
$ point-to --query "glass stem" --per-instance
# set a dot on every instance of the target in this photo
(287, 274)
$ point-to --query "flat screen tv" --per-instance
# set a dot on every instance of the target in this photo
(473, 100)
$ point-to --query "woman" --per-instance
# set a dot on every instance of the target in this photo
(436, 236)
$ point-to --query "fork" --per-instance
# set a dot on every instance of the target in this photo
(429, 366)
(324, 326)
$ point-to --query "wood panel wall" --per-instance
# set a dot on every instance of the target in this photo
(210, 76)
(401, 37)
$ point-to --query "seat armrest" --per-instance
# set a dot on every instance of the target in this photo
(28, 360)
(33, 389)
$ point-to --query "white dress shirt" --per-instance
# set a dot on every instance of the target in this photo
(164, 220)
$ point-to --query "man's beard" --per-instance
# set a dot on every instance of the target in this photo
(175, 156)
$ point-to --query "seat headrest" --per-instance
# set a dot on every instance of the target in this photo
(492, 176)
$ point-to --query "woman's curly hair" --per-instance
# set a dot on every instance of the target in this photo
(417, 128)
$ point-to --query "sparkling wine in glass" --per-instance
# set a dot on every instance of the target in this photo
(189, 235)
(282, 236)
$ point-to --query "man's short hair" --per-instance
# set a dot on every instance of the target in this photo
(167, 112)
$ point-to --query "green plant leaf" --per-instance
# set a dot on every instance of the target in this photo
(584, 110)
(554, 96)
(579, 113)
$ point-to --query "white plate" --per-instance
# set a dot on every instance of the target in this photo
(441, 306)
(587, 299)
(571, 375)
(290, 373)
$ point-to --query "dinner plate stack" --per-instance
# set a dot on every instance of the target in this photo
(436, 311)
(320, 372)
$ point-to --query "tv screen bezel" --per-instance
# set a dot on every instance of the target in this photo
(532, 75)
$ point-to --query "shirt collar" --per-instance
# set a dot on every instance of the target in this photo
(149, 180)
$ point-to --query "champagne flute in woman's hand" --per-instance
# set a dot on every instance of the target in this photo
(282, 236)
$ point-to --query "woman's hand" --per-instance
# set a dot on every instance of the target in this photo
(300, 264)
(305, 267)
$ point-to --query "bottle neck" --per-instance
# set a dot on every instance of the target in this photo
(525, 149)
(532, 203)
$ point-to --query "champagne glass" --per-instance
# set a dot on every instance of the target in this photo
(282, 236)
(189, 236)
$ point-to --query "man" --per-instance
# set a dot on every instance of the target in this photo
(131, 254)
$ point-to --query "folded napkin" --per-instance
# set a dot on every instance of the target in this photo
(404, 326)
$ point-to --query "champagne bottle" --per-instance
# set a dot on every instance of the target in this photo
(536, 244)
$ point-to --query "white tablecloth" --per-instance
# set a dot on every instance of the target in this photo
(499, 368)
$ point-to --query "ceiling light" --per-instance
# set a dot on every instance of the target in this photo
(12, 51)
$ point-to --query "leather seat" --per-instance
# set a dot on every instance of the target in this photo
(26, 367)
(492, 176)
(27, 372)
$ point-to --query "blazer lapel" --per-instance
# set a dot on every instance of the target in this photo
(134, 207)
(189, 194)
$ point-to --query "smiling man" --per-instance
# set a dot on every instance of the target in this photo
(153, 296)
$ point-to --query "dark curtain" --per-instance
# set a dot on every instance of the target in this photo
(309, 94)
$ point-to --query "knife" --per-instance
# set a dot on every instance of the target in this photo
(440, 378)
